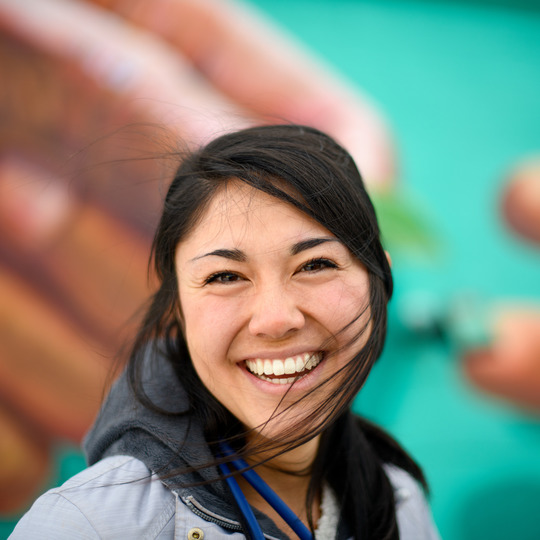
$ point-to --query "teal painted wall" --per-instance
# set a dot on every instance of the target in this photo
(460, 84)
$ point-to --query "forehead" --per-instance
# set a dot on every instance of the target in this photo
(239, 214)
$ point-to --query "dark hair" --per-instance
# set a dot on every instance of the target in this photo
(307, 169)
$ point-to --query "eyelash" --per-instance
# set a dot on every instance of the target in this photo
(218, 277)
(222, 277)
(320, 261)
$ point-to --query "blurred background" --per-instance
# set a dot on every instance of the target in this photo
(438, 102)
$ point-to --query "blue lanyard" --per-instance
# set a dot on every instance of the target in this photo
(266, 492)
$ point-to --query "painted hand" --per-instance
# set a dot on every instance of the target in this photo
(80, 192)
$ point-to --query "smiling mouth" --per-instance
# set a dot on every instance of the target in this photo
(286, 371)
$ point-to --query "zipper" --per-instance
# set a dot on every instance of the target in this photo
(199, 510)
(202, 512)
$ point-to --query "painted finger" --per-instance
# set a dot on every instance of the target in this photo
(49, 372)
(88, 263)
(73, 76)
(510, 366)
(521, 200)
(24, 463)
(270, 73)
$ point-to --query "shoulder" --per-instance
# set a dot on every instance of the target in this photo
(412, 510)
(117, 497)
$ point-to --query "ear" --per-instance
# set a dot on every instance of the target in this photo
(388, 258)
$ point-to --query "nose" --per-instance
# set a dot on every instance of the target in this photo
(275, 313)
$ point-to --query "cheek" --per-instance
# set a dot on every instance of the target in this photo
(209, 326)
(341, 302)
(346, 314)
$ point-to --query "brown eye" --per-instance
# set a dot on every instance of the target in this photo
(223, 277)
(316, 265)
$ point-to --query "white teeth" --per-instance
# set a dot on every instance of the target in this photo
(287, 380)
(290, 366)
(311, 361)
(268, 369)
(279, 367)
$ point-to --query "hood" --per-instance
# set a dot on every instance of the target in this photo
(166, 444)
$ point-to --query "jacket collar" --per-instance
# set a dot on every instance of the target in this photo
(166, 443)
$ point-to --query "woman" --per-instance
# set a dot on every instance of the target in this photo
(270, 314)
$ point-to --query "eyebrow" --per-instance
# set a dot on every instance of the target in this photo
(239, 256)
(310, 243)
(231, 254)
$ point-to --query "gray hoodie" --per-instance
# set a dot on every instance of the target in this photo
(127, 491)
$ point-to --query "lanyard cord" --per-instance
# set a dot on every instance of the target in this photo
(266, 492)
(251, 520)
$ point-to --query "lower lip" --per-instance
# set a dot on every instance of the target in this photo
(300, 384)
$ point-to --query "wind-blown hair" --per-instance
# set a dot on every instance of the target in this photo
(309, 170)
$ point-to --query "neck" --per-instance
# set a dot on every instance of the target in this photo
(297, 461)
(288, 475)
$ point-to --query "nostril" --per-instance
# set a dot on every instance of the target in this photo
(276, 324)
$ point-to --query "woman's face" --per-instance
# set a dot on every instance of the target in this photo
(265, 292)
